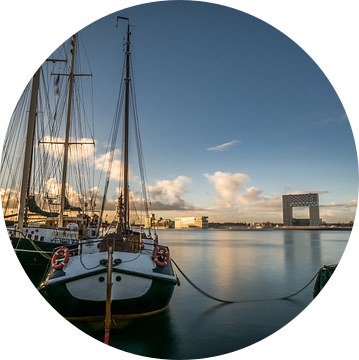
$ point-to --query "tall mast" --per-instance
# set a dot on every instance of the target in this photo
(67, 134)
(126, 202)
(25, 182)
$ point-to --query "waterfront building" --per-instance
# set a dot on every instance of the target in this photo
(310, 200)
(262, 225)
(193, 222)
(152, 222)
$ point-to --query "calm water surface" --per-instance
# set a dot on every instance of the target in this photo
(230, 265)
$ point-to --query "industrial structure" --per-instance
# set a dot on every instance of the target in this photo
(310, 200)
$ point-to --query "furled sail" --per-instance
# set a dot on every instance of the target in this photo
(70, 207)
(33, 207)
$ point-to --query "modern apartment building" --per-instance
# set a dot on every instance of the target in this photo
(193, 222)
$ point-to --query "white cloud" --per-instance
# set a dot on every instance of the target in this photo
(54, 147)
(350, 203)
(92, 197)
(9, 199)
(227, 185)
(102, 163)
(309, 192)
(353, 202)
(168, 191)
(250, 196)
(330, 120)
(223, 147)
(169, 195)
(54, 189)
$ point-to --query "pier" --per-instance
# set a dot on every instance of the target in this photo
(314, 228)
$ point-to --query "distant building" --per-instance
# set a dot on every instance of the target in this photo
(261, 225)
(193, 222)
(228, 225)
(160, 223)
(310, 200)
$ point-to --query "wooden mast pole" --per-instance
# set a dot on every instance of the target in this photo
(126, 126)
(67, 134)
(110, 244)
(25, 182)
(123, 222)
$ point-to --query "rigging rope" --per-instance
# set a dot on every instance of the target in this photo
(246, 301)
(47, 159)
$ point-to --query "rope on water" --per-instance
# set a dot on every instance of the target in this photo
(197, 288)
(245, 301)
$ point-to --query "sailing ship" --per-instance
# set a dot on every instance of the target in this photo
(123, 275)
(34, 232)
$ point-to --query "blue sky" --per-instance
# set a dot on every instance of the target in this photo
(233, 113)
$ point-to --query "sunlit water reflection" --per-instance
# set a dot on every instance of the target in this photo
(230, 265)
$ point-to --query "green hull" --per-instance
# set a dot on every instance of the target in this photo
(34, 256)
(323, 277)
(155, 299)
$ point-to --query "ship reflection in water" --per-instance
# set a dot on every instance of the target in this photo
(230, 265)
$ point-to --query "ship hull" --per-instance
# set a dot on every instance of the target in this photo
(35, 256)
(139, 288)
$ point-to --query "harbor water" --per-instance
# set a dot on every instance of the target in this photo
(232, 265)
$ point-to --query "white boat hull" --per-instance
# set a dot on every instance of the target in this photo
(139, 286)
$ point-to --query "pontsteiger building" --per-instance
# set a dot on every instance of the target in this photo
(310, 200)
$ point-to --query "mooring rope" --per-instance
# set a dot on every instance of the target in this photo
(40, 251)
(246, 301)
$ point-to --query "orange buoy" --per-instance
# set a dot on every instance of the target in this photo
(161, 255)
(61, 264)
